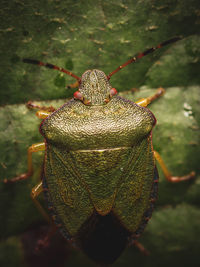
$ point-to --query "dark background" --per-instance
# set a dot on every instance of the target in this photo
(81, 35)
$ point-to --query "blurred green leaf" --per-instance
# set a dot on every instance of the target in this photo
(84, 35)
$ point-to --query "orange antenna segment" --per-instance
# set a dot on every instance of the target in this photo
(51, 66)
(146, 52)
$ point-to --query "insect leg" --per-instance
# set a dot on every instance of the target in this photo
(43, 111)
(31, 105)
(73, 85)
(146, 101)
(36, 190)
(41, 114)
(141, 248)
(168, 176)
(34, 148)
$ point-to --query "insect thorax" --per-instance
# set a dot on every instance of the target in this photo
(76, 126)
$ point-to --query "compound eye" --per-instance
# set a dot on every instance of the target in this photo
(78, 95)
(113, 92)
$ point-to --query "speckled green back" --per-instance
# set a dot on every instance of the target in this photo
(99, 158)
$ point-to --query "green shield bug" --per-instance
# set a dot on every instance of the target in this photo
(99, 177)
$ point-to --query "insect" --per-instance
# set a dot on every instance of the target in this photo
(99, 178)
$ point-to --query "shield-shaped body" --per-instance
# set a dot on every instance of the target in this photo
(100, 174)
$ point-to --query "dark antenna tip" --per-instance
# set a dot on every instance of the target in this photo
(51, 66)
(146, 52)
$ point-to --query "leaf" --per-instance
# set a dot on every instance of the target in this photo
(102, 34)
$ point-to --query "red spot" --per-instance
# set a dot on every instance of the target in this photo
(56, 68)
(140, 55)
(113, 92)
(78, 95)
(159, 46)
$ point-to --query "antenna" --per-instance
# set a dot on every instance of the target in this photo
(146, 52)
(51, 66)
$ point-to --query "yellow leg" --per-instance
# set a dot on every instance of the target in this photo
(73, 85)
(31, 149)
(146, 101)
(36, 190)
(42, 114)
(43, 111)
(168, 176)
(31, 105)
